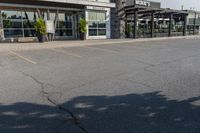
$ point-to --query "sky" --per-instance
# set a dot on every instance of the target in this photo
(176, 4)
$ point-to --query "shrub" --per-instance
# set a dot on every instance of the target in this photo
(82, 25)
(40, 27)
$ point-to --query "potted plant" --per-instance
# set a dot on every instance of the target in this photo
(82, 28)
(40, 28)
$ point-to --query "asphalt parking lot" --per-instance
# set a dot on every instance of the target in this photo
(141, 87)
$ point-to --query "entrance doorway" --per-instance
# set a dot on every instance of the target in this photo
(66, 25)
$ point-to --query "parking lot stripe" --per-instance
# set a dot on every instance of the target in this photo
(22, 57)
(121, 45)
(66, 53)
(102, 49)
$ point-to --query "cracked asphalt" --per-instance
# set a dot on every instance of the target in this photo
(140, 87)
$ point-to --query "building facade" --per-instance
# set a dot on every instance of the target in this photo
(193, 22)
(17, 18)
(106, 19)
(143, 19)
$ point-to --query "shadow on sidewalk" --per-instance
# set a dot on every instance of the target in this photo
(133, 113)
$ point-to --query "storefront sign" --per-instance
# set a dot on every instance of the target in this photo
(50, 26)
(96, 8)
(143, 3)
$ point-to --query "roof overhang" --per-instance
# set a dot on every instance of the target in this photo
(58, 3)
(25, 6)
(84, 2)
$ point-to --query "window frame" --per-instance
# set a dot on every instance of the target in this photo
(98, 22)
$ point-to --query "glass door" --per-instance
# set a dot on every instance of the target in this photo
(65, 26)
(96, 24)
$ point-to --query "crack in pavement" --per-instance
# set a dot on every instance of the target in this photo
(42, 84)
(76, 121)
(60, 107)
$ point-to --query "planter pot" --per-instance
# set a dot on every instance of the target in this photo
(82, 36)
(41, 39)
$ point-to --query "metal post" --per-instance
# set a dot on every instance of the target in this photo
(126, 27)
(170, 24)
(135, 25)
(152, 25)
(1, 27)
(185, 26)
(48, 14)
(194, 26)
(49, 35)
(29, 23)
(39, 13)
(55, 23)
(73, 24)
(23, 34)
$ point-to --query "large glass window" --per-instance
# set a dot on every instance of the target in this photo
(64, 26)
(18, 23)
(29, 19)
(12, 23)
(21, 23)
(97, 23)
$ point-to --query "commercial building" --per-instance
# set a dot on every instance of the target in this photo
(142, 18)
(17, 18)
(106, 19)
(193, 22)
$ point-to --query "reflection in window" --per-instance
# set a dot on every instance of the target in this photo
(65, 32)
(93, 32)
(11, 14)
(18, 23)
(29, 19)
(64, 26)
(52, 16)
(28, 24)
(92, 24)
(97, 23)
(102, 32)
(13, 33)
(32, 16)
(29, 33)
(21, 23)
(12, 23)
(102, 24)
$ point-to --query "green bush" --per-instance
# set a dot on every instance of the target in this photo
(82, 25)
(40, 27)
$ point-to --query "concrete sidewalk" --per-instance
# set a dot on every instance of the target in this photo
(77, 43)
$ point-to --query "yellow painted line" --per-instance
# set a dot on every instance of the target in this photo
(66, 53)
(22, 57)
(102, 49)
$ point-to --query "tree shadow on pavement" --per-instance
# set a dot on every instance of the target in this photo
(133, 113)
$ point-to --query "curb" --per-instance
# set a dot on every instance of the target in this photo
(65, 44)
